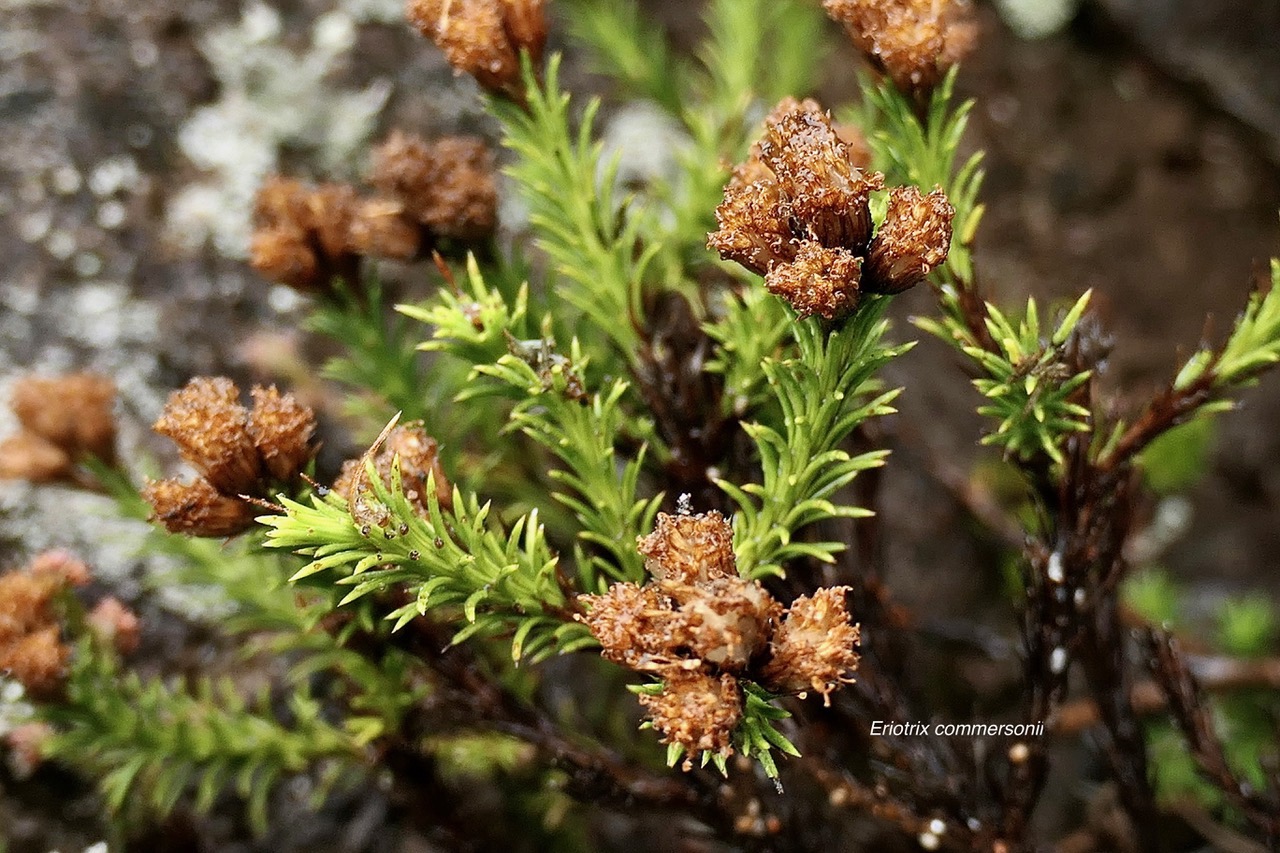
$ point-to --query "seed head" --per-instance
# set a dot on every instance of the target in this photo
(913, 240)
(724, 622)
(31, 650)
(301, 234)
(697, 711)
(637, 626)
(798, 211)
(25, 600)
(819, 180)
(37, 660)
(281, 429)
(211, 428)
(484, 38)
(689, 549)
(913, 42)
(814, 647)
(197, 508)
(73, 412)
(447, 185)
(64, 419)
(819, 281)
(419, 460)
(382, 228)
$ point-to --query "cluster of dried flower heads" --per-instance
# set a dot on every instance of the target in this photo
(913, 42)
(419, 460)
(65, 420)
(484, 38)
(33, 602)
(31, 647)
(798, 213)
(310, 237)
(239, 453)
(703, 628)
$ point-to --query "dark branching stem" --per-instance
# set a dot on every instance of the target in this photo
(596, 774)
(1168, 409)
(1194, 717)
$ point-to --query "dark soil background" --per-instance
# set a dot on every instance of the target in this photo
(1135, 152)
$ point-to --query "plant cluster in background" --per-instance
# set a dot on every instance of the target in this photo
(630, 464)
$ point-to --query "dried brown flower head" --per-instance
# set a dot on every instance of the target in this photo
(29, 457)
(73, 412)
(31, 650)
(815, 646)
(211, 428)
(382, 228)
(238, 452)
(197, 508)
(697, 711)
(484, 38)
(64, 419)
(448, 185)
(912, 241)
(725, 622)
(703, 629)
(798, 212)
(819, 180)
(419, 460)
(37, 660)
(24, 603)
(637, 626)
(285, 255)
(913, 42)
(281, 429)
(302, 234)
(116, 625)
(689, 549)
(819, 281)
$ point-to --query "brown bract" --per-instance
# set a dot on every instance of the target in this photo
(819, 281)
(418, 455)
(637, 627)
(448, 185)
(74, 412)
(211, 428)
(726, 622)
(484, 38)
(281, 429)
(820, 182)
(64, 420)
(913, 42)
(383, 228)
(301, 233)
